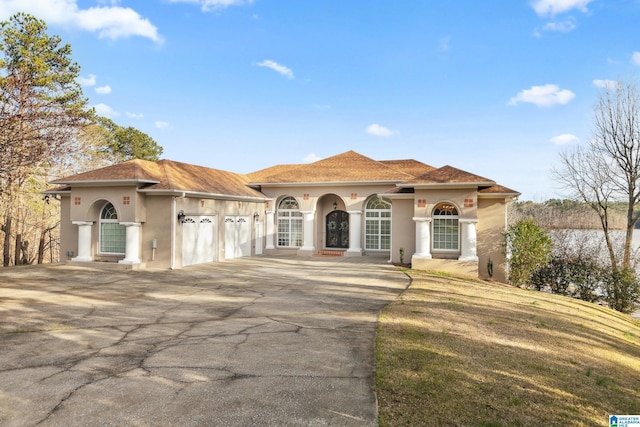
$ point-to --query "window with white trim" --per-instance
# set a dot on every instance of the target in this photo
(112, 235)
(446, 228)
(289, 223)
(377, 224)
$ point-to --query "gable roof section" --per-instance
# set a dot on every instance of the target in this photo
(348, 167)
(447, 175)
(167, 175)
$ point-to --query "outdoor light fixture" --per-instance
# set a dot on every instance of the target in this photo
(181, 216)
(335, 206)
(256, 215)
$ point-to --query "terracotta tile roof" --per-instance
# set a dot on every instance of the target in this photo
(448, 175)
(410, 166)
(169, 175)
(346, 167)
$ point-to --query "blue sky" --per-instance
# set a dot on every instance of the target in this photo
(494, 87)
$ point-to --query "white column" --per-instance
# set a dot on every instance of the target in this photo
(271, 235)
(84, 241)
(307, 231)
(132, 245)
(355, 233)
(469, 239)
(423, 238)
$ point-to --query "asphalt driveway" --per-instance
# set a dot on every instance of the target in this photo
(260, 341)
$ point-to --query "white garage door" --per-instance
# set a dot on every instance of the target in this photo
(198, 240)
(237, 237)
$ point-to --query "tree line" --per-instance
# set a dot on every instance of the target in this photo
(47, 129)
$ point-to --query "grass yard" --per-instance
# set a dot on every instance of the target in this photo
(461, 352)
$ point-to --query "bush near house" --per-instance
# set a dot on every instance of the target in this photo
(527, 247)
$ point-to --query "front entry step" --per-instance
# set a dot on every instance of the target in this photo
(328, 252)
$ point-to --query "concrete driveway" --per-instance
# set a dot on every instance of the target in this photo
(260, 341)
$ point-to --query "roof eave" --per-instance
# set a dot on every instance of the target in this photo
(204, 195)
(499, 195)
(323, 183)
(448, 185)
(91, 183)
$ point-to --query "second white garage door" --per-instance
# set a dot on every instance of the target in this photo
(237, 236)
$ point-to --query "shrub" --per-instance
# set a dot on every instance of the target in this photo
(575, 277)
(621, 290)
(587, 280)
(528, 247)
(555, 276)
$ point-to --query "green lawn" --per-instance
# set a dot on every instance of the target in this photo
(455, 352)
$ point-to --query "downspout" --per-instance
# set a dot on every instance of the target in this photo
(174, 215)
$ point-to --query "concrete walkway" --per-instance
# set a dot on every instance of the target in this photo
(258, 341)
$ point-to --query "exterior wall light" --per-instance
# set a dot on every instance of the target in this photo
(181, 216)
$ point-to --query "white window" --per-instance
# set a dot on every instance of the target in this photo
(112, 234)
(446, 229)
(377, 224)
(289, 223)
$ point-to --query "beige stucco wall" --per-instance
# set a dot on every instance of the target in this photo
(157, 217)
(68, 231)
(403, 230)
(320, 199)
(92, 201)
(158, 227)
(455, 196)
(491, 226)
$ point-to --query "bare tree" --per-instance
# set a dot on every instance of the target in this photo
(607, 169)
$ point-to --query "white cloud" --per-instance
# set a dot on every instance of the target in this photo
(105, 111)
(90, 80)
(311, 158)
(103, 90)
(543, 96)
(603, 84)
(208, 5)
(377, 130)
(134, 115)
(108, 21)
(565, 138)
(562, 27)
(161, 125)
(635, 58)
(556, 7)
(281, 69)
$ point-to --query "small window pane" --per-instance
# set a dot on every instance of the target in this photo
(112, 238)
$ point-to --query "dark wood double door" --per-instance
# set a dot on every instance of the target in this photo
(337, 230)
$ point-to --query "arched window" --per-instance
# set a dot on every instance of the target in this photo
(377, 224)
(289, 223)
(446, 229)
(112, 234)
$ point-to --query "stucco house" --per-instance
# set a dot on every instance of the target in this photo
(168, 214)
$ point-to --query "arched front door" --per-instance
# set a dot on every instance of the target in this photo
(337, 229)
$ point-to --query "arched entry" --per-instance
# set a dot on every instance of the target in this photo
(337, 229)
